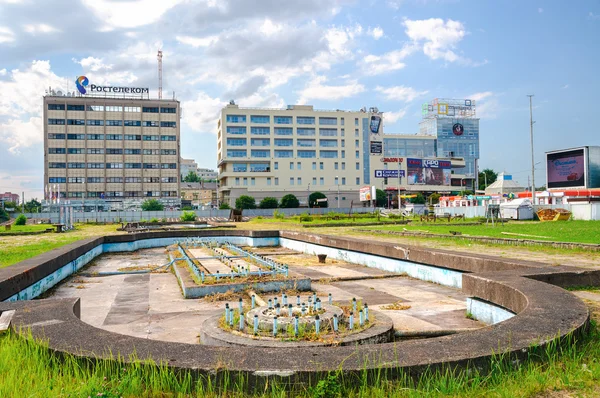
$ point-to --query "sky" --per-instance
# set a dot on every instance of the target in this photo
(334, 54)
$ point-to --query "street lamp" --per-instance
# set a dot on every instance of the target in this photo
(337, 181)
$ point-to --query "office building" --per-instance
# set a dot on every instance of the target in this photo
(111, 147)
(297, 150)
(9, 197)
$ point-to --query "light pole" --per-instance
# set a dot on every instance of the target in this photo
(532, 159)
(308, 195)
(337, 180)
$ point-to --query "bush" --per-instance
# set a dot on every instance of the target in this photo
(245, 202)
(268, 203)
(21, 220)
(188, 216)
(418, 200)
(312, 200)
(289, 201)
(380, 198)
(224, 206)
(154, 220)
(434, 198)
(306, 217)
(279, 215)
(187, 208)
(152, 205)
(3, 215)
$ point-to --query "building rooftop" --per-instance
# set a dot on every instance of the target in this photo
(233, 105)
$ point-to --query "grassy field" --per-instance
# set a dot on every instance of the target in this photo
(27, 368)
(26, 228)
(562, 231)
(18, 248)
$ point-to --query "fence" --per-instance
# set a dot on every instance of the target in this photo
(132, 216)
(581, 211)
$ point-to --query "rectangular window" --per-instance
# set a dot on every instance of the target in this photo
(168, 138)
(291, 165)
(260, 142)
(260, 119)
(328, 143)
(306, 143)
(149, 110)
(91, 122)
(328, 154)
(284, 154)
(78, 151)
(314, 182)
(130, 137)
(335, 165)
(259, 167)
(343, 165)
(240, 167)
(115, 180)
(307, 154)
(343, 154)
(356, 122)
(95, 108)
(284, 142)
(269, 181)
(95, 137)
(291, 180)
(245, 181)
(114, 165)
(356, 144)
(357, 166)
(114, 151)
(237, 130)
(357, 180)
(57, 165)
(56, 107)
(306, 132)
(236, 118)
(314, 165)
(236, 153)
(252, 181)
(168, 165)
(168, 124)
(133, 165)
(328, 132)
(168, 151)
(299, 166)
(56, 122)
(76, 136)
(132, 123)
(320, 165)
(56, 136)
(283, 119)
(95, 180)
(305, 120)
(356, 132)
(343, 180)
(276, 180)
(276, 165)
(342, 122)
(168, 110)
(151, 138)
(321, 181)
(151, 152)
(237, 181)
(133, 109)
(260, 153)
(299, 180)
(357, 154)
(75, 107)
(147, 123)
(76, 180)
(114, 122)
(74, 194)
(260, 130)
(95, 165)
(236, 142)
(132, 151)
(56, 150)
(75, 122)
(58, 180)
(284, 131)
(114, 137)
(343, 143)
(152, 166)
(335, 181)
(327, 120)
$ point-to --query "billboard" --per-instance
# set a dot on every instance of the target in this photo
(376, 147)
(388, 173)
(566, 169)
(366, 193)
(375, 123)
(428, 172)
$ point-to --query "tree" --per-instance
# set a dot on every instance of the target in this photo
(152, 205)
(224, 206)
(32, 206)
(12, 205)
(487, 175)
(268, 203)
(312, 200)
(418, 200)
(191, 177)
(289, 201)
(3, 215)
(434, 198)
(21, 220)
(245, 202)
(380, 198)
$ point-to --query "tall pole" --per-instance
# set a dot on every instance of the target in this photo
(399, 201)
(337, 179)
(532, 158)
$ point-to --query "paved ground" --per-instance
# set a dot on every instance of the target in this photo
(151, 305)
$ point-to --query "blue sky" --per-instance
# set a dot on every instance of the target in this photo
(344, 54)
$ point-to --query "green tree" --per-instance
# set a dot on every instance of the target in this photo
(224, 206)
(380, 198)
(152, 205)
(268, 203)
(245, 202)
(418, 200)
(434, 198)
(191, 177)
(3, 215)
(188, 216)
(289, 201)
(32, 206)
(12, 205)
(487, 175)
(21, 220)
(312, 199)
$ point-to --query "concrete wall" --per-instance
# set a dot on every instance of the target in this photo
(487, 312)
(581, 211)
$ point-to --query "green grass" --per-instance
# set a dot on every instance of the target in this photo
(26, 228)
(28, 368)
(562, 231)
(18, 248)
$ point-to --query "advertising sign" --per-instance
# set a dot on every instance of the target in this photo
(376, 147)
(566, 169)
(388, 173)
(83, 86)
(365, 194)
(429, 172)
(375, 123)
(392, 160)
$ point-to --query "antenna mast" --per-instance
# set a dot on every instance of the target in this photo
(159, 57)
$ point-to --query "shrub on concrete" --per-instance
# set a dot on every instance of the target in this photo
(289, 201)
(224, 206)
(268, 203)
(188, 216)
(152, 205)
(245, 202)
(21, 220)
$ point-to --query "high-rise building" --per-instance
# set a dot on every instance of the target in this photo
(297, 150)
(109, 150)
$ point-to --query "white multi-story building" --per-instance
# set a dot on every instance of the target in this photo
(297, 150)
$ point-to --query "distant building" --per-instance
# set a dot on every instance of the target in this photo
(188, 165)
(9, 197)
(504, 184)
(207, 174)
(199, 193)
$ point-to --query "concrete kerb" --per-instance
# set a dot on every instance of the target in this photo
(545, 313)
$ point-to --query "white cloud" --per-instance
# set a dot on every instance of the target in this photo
(376, 33)
(39, 28)
(593, 16)
(317, 90)
(201, 114)
(6, 35)
(400, 93)
(394, 4)
(268, 28)
(480, 96)
(129, 14)
(540, 10)
(3, 72)
(340, 40)
(19, 134)
(388, 62)
(393, 117)
(487, 104)
(197, 41)
(103, 72)
(438, 38)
